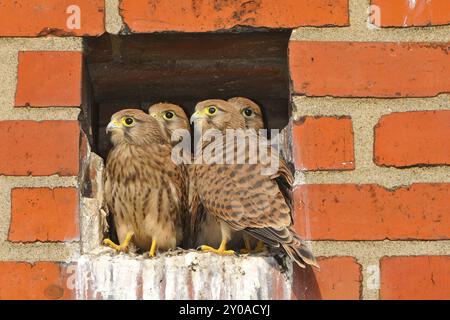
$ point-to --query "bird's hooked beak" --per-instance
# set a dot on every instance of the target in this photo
(113, 125)
(197, 116)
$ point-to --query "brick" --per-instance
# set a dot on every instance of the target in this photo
(415, 278)
(213, 15)
(339, 278)
(360, 69)
(43, 214)
(371, 212)
(413, 138)
(407, 13)
(39, 148)
(40, 281)
(33, 18)
(323, 143)
(49, 78)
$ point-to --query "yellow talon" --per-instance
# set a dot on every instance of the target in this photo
(248, 248)
(152, 248)
(222, 249)
(119, 248)
(260, 247)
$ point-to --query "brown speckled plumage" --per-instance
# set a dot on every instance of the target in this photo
(207, 227)
(255, 119)
(242, 198)
(144, 189)
(180, 121)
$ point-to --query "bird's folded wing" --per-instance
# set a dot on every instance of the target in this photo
(195, 207)
(285, 180)
(244, 196)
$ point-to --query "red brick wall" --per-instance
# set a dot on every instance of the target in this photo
(373, 180)
(45, 17)
(373, 186)
(400, 13)
(41, 144)
(39, 281)
(189, 16)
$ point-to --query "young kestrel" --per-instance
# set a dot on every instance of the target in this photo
(250, 111)
(171, 119)
(240, 195)
(207, 227)
(144, 188)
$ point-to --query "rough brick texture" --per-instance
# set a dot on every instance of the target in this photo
(49, 78)
(408, 13)
(33, 18)
(39, 148)
(339, 278)
(323, 143)
(329, 68)
(370, 212)
(46, 217)
(413, 138)
(415, 278)
(40, 281)
(43, 214)
(209, 15)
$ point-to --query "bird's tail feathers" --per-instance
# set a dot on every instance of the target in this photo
(294, 246)
(301, 255)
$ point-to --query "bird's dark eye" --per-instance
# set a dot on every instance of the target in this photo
(168, 115)
(212, 110)
(248, 112)
(128, 121)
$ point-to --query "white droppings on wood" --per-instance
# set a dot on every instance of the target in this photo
(153, 273)
(102, 276)
(182, 275)
(176, 278)
(82, 281)
(125, 278)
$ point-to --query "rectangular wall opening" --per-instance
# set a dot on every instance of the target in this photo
(136, 71)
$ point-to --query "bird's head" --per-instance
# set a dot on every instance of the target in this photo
(134, 126)
(217, 114)
(250, 111)
(170, 117)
